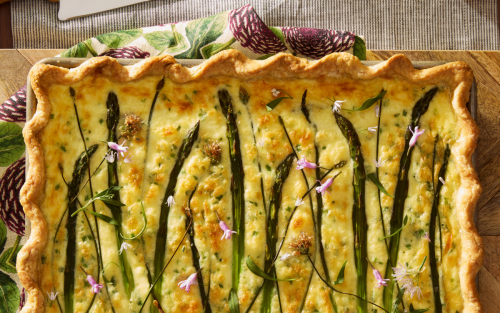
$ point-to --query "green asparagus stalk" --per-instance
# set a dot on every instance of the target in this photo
(237, 187)
(112, 120)
(401, 193)
(69, 270)
(161, 240)
(432, 234)
(159, 87)
(196, 255)
(282, 173)
(360, 224)
(319, 213)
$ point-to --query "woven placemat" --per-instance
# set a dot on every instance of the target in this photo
(386, 24)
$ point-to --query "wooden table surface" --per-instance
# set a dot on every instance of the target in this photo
(15, 64)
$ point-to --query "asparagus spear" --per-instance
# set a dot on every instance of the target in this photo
(432, 234)
(360, 224)
(402, 192)
(319, 212)
(69, 270)
(196, 254)
(237, 188)
(113, 117)
(161, 240)
(282, 173)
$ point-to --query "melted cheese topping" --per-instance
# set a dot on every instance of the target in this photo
(263, 146)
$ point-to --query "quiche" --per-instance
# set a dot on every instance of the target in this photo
(280, 185)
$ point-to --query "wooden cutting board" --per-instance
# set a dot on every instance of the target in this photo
(15, 65)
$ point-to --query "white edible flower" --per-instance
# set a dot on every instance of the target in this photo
(379, 163)
(52, 296)
(377, 110)
(170, 201)
(441, 180)
(299, 202)
(337, 105)
(373, 129)
(124, 246)
(275, 92)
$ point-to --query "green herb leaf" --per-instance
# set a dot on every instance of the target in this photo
(359, 48)
(377, 183)
(340, 276)
(397, 231)
(271, 105)
(4, 264)
(105, 218)
(9, 294)
(278, 33)
(143, 228)
(257, 271)
(11, 143)
(234, 305)
(368, 103)
(107, 281)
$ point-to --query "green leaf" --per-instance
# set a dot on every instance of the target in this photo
(412, 309)
(213, 49)
(397, 231)
(107, 281)
(257, 271)
(3, 235)
(202, 32)
(145, 224)
(278, 33)
(377, 183)
(9, 294)
(368, 103)
(105, 218)
(79, 50)
(120, 38)
(234, 306)
(11, 143)
(359, 48)
(399, 298)
(340, 276)
(271, 105)
(167, 41)
(4, 265)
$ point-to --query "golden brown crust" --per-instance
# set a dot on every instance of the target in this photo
(457, 75)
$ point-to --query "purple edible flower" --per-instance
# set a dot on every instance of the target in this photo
(323, 188)
(96, 288)
(191, 280)
(416, 133)
(302, 163)
(227, 231)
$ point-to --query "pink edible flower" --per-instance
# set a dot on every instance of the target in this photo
(191, 280)
(227, 231)
(118, 148)
(96, 288)
(378, 277)
(426, 236)
(323, 188)
(52, 295)
(303, 163)
(416, 133)
(128, 159)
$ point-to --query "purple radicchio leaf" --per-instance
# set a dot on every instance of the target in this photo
(23, 300)
(11, 210)
(14, 109)
(316, 43)
(252, 33)
(130, 52)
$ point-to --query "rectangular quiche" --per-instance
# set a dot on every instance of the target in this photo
(281, 185)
